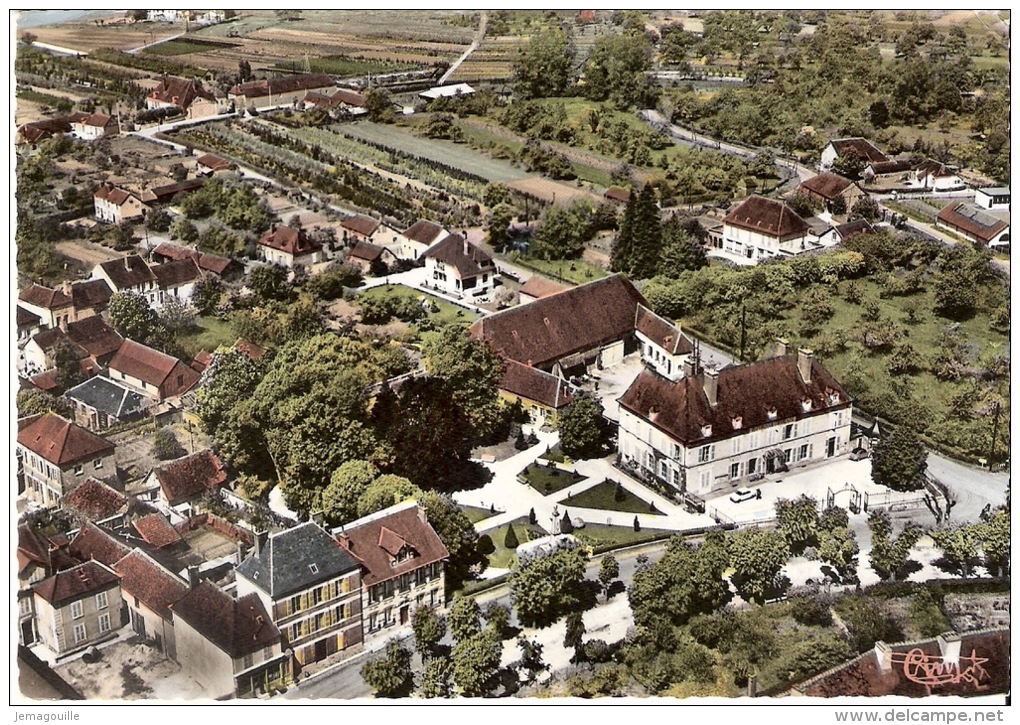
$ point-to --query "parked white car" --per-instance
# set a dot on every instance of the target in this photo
(742, 494)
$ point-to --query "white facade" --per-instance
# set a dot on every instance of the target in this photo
(698, 468)
(994, 198)
(446, 278)
(659, 359)
(756, 246)
(928, 181)
(107, 211)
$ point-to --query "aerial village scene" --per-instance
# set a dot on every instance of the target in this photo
(367, 354)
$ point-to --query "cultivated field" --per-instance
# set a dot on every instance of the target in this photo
(86, 36)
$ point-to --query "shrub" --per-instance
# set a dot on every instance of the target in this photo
(566, 527)
(810, 612)
(165, 445)
(485, 545)
(510, 541)
(598, 651)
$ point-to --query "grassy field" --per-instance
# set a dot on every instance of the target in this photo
(476, 513)
(188, 46)
(341, 65)
(207, 334)
(602, 535)
(603, 496)
(573, 271)
(502, 557)
(547, 480)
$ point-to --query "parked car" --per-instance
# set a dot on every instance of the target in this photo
(742, 494)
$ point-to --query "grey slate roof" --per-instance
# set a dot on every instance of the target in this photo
(108, 396)
(296, 559)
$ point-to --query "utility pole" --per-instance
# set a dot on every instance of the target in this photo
(743, 329)
(995, 429)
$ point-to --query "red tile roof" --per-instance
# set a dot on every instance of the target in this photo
(213, 162)
(576, 320)
(238, 627)
(828, 186)
(99, 120)
(114, 195)
(168, 191)
(746, 393)
(26, 318)
(287, 84)
(177, 273)
(376, 539)
(971, 220)
(180, 92)
(155, 587)
(768, 217)
(615, 193)
(61, 442)
(96, 337)
(157, 530)
(538, 286)
(864, 148)
(423, 232)
(463, 256)
(47, 340)
(34, 548)
(894, 166)
(131, 271)
(662, 332)
(288, 240)
(361, 224)
(84, 579)
(40, 130)
(94, 293)
(533, 384)
(208, 262)
(190, 476)
(93, 500)
(49, 299)
(92, 542)
(151, 366)
(365, 251)
(854, 228)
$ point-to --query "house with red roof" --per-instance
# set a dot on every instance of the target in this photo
(935, 176)
(97, 502)
(358, 228)
(228, 646)
(151, 372)
(209, 164)
(288, 247)
(156, 530)
(78, 607)
(32, 133)
(726, 425)
(51, 306)
(38, 557)
(537, 287)
(57, 455)
(93, 126)
(281, 91)
(149, 589)
(543, 396)
(459, 268)
(843, 148)
(417, 238)
(828, 187)
(345, 101)
(177, 485)
(402, 564)
(760, 228)
(366, 256)
(974, 224)
(188, 96)
(207, 263)
(115, 205)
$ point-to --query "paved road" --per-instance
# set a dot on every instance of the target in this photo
(140, 48)
(973, 487)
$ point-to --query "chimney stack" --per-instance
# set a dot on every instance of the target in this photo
(781, 344)
(467, 248)
(261, 537)
(711, 384)
(752, 686)
(688, 367)
(423, 515)
(192, 576)
(949, 646)
(804, 360)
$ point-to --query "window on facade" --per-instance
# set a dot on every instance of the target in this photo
(663, 470)
(104, 623)
(79, 469)
(752, 465)
(24, 606)
(249, 660)
(76, 610)
(676, 451)
(267, 654)
(788, 455)
(789, 431)
(97, 464)
(705, 454)
(79, 633)
(649, 461)
(102, 601)
(736, 445)
(803, 452)
(734, 470)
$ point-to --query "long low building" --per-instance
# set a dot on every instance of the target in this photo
(974, 224)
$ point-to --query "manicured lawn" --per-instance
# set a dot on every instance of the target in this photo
(547, 480)
(574, 271)
(598, 535)
(447, 314)
(476, 513)
(603, 496)
(502, 557)
(554, 454)
(208, 334)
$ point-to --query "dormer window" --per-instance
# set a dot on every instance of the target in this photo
(772, 413)
(738, 422)
(314, 568)
(833, 398)
(706, 430)
(806, 405)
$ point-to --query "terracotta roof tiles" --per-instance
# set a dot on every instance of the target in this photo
(155, 587)
(291, 241)
(70, 584)
(531, 383)
(93, 500)
(864, 148)
(768, 217)
(157, 530)
(49, 299)
(236, 626)
(361, 224)
(190, 476)
(828, 186)
(375, 540)
(131, 271)
(61, 442)
(92, 542)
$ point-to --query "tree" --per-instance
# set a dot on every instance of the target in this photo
(956, 285)
(838, 548)
(542, 66)
(888, 556)
(429, 628)
(464, 619)
(386, 491)
(995, 543)
(379, 105)
(176, 315)
(639, 241)
(437, 681)
(959, 544)
(542, 589)
(758, 556)
(609, 571)
(574, 636)
(30, 401)
(269, 282)
(582, 427)
(510, 540)
(500, 218)
(131, 316)
(797, 521)
(566, 525)
(390, 676)
(476, 662)
(181, 228)
(684, 582)
(497, 618)
(899, 460)
(564, 230)
(680, 250)
(849, 164)
(865, 208)
(531, 658)
(615, 70)
(165, 445)
(68, 367)
(207, 295)
(458, 535)
(346, 486)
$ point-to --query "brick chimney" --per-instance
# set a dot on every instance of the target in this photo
(804, 359)
(423, 515)
(711, 384)
(192, 576)
(781, 344)
(467, 248)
